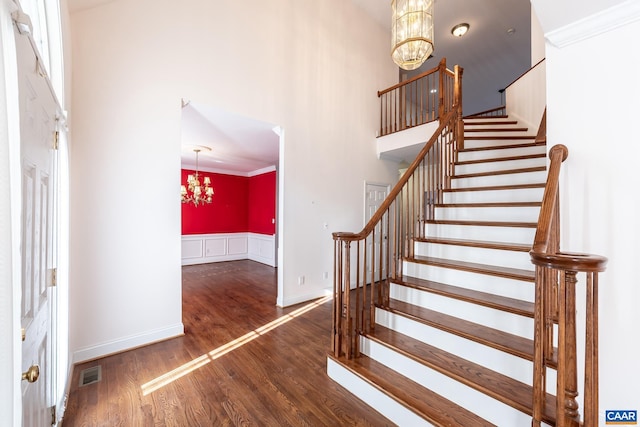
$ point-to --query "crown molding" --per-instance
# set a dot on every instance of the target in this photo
(596, 24)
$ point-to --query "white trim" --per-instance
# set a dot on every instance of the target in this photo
(127, 343)
(262, 171)
(188, 166)
(10, 205)
(262, 248)
(598, 23)
(218, 247)
(320, 293)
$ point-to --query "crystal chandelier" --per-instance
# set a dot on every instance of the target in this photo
(194, 192)
(411, 32)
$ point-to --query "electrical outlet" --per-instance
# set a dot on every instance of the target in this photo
(325, 275)
(300, 280)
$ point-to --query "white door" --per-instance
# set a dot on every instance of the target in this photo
(374, 196)
(38, 111)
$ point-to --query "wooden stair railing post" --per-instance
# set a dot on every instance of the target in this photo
(390, 233)
(457, 91)
(555, 301)
(442, 68)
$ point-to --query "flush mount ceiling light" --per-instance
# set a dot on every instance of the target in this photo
(411, 32)
(460, 29)
(194, 192)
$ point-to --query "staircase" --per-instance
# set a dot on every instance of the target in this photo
(453, 344)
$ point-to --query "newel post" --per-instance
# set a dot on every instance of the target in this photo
(457, 95)
(442, 70)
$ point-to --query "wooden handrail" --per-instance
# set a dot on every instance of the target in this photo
(411, 80)
(368, 228)
(364, 262)
(487, 113)
(557, 155)
(555, 303)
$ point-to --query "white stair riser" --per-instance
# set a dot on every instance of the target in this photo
(388, 407)
(478, 403)
(513, 213)
(486, 131)
(476, 125)
(496, 319)
(497, 141)
(489, 196)
(500, 165)
(502, 179)
(511, 288)
(511, 259)
(465, 156)
(522, 235)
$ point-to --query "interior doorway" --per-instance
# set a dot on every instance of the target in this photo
(240, 157)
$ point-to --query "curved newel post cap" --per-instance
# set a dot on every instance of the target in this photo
(344, 235)
(559, 148)
(570, 261)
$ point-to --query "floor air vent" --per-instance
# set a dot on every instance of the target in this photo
(90, 375)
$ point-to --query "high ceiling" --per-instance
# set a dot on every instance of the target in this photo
(495, 51)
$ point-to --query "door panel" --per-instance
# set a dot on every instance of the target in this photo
(374, 196)
(38, 110)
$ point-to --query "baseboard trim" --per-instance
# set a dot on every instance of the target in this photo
(306, 297)
(127, 343)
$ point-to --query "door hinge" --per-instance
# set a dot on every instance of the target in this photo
(53, 277)
(56, 140)
(54, 418)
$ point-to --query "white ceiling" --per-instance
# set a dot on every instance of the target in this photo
(238, 144)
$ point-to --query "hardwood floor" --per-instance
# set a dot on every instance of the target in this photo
(276, 376)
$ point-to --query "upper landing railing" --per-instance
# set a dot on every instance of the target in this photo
(421, 99)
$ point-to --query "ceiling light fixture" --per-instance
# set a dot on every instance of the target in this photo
(411, 32)
(193, 192)
(460, 29)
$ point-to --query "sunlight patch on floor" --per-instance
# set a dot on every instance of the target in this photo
(206, 358)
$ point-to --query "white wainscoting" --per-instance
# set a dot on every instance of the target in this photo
(205, 248)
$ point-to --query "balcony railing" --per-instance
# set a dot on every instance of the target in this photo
(421, 99)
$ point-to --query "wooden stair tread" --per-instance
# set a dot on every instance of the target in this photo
(490, 122)
(501, 387)
(502, 147)
(481, 117)
(501, 129)
(429, 405)
(498, 302)
(495, 187)
(499, 137)
(516, 247)
(491, 270)
(494, 338)
(501, 159)
(501, 172)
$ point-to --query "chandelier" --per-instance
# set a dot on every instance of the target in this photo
(194, 192)
(411, 32)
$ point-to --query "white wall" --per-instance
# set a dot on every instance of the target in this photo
(537, 39)
(312, 66)
(592, 110)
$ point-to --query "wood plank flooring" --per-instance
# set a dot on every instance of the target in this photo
(276, 376)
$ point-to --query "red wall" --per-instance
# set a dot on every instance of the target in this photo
(235, 207)
(262, 203)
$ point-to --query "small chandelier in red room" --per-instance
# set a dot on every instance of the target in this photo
(195, 192)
